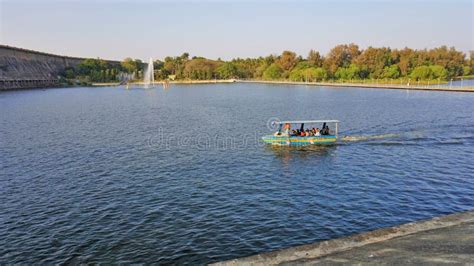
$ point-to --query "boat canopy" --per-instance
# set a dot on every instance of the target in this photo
(306, 122)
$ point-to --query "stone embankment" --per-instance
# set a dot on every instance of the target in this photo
(22, 68)
(441, 240)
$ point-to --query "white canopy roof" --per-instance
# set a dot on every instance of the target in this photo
(307, 122)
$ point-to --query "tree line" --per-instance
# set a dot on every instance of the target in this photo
(343, 62)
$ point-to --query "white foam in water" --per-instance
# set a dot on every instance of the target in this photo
(364, 138)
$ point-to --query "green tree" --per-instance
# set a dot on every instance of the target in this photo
(287, 60)
(315, 58)
(438, 71)
(297, 75)
(319, 74)
(184, 56)
(450, 59)
(351, 72)
(158, 64)
(314, 74)
(273, 72)
(69, 73)
(421, 73)
(341, 56)
(391, 72)
(200, 68)
(466, 70)
(405, 59)
(130, 65)
(298, 72)
(95, 70)
(471, 61)
(262, 66)
(372, 61)
(88, 66)
(227, 71)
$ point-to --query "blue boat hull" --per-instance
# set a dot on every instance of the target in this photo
(292, 140)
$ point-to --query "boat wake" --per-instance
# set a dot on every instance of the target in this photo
(367, 138)
(411, 138)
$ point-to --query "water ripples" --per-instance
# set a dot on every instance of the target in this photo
(89, 181)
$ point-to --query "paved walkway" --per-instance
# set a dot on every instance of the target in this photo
(453, 245)
(432, 87)
(441, 240)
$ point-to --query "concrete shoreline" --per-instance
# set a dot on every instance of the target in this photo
(368, 85)
(352, 249)
(326, 84)
(217, 81)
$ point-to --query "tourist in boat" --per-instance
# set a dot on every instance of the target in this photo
(286, 132)
(317, 133)
(326, 130)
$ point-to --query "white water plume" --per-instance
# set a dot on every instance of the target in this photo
(149, 77)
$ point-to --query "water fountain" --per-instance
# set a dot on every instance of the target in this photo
(149, 77)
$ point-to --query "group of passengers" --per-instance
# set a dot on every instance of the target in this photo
(312, 132)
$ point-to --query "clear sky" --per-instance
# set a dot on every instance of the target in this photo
(142, 29)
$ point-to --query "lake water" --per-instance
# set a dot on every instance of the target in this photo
(180, 176)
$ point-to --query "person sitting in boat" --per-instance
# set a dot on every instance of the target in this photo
(286, 132)
(325, 131)
(302, 133)
(317, 134)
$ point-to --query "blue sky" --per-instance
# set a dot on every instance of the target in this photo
(142, 29)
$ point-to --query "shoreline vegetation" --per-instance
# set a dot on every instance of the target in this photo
(346, 64)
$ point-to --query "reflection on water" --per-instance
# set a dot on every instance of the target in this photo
(307, 152)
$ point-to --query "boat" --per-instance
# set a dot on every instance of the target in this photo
(327, 135)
